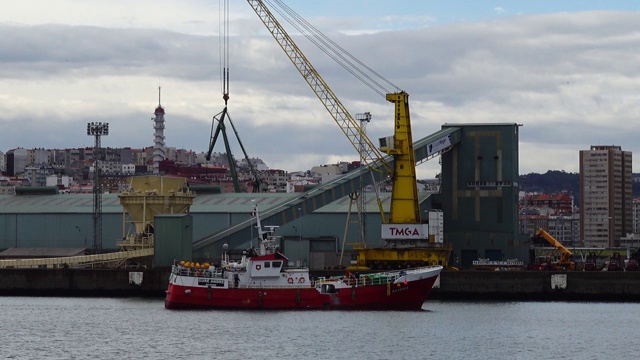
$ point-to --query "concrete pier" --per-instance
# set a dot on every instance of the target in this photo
(454, 285)
(84, 282)
(539, 286)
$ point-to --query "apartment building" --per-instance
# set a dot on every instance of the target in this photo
(605, 195)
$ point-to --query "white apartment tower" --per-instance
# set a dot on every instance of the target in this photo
(158, 137)
(605, 196)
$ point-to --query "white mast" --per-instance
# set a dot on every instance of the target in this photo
(267, 241)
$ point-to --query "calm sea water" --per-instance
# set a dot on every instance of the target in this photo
(81, 328)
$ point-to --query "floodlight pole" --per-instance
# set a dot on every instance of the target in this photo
(97, 130)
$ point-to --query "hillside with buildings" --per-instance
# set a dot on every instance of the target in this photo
(73, 170)
(595, 208)
(559, 181)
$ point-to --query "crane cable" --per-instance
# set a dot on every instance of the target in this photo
(223, 47)
(345, 59)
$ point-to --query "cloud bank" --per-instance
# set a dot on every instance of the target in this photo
(571, 80)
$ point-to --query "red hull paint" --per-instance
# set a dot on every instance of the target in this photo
(408, 296)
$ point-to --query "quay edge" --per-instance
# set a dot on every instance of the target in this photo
(84, 282)
(537, 286)
(454, 285)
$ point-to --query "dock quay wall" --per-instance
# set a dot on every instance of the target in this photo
(84, 282)
(539, 286)
(454, 285)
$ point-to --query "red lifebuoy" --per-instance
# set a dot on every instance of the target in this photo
(301, 280)
(258, 266)
(290, 280)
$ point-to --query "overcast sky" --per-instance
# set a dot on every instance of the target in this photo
(568, 71)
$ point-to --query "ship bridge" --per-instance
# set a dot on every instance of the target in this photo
(424, 150)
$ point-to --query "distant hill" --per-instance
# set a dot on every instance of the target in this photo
(555, 181)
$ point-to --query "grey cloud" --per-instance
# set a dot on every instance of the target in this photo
(567, 77)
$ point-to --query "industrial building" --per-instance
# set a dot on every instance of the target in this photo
(478, 198)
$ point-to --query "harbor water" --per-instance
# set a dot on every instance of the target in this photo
(128, 328)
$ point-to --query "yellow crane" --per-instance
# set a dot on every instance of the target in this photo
(406, 236)
(564, 262)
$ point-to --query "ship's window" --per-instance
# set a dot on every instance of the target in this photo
(267, 264)
(277, 264)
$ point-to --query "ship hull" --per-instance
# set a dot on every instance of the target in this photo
(403, 295)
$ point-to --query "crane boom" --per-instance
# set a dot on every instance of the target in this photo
(566, 253)
(404, 200)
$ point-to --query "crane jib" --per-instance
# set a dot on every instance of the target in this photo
(404, 201)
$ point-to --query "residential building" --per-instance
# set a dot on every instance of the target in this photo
(636, 216)
(559, 203)
(276, 180)
(60, 181)
(3, 162)
(605, 195)
(38, 173)
(7, 187)
(16, 161)
(551, 212)
(565, 228)
(257, 164)
(325, 173)
(38, 156)
(630, 241)
(128, 169)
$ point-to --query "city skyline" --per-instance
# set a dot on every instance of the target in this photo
(220, 158)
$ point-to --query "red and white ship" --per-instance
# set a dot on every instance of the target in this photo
(261, 281)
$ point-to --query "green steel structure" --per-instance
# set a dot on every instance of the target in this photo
(479, 195)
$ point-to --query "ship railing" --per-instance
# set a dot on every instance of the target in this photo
(382, 278)
(362, 280)
(205, 273)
